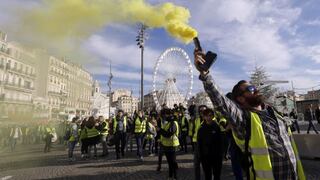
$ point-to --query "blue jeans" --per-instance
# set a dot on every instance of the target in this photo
(235, 160)
(71, 145)
(139, 140)
(13, 143)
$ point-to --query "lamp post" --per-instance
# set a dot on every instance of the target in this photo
(140, 43)
(109, 85)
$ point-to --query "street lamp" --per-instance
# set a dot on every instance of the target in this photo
(110, 86)
(140, 43)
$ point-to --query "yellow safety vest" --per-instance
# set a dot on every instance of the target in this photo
(197, 124)
(183, 122)
(140, 127)
(105, 128)
(115, 123)
(93, 132)
(190, 128)
(83, 134)
(72, 138)
(162, 127)
(222, 120)
(259, 151)
(172, 141)
(149, 135)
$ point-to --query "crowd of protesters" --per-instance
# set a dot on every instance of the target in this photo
(16, 134)
(199, 129)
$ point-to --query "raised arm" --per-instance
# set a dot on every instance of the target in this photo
(233, 113)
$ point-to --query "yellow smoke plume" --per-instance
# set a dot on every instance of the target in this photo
(78, 19)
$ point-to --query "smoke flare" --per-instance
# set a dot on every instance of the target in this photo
(62, 19)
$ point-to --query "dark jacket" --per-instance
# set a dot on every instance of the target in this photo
(209, 141)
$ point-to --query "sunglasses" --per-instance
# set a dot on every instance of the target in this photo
(250, 89)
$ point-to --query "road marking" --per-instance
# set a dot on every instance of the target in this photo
(6, 177)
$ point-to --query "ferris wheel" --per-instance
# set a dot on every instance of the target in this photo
(172, 78)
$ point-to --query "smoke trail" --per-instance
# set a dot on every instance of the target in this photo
(77, 19)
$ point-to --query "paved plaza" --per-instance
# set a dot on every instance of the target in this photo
(29, 162)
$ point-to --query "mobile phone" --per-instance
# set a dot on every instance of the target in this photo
(210, 58)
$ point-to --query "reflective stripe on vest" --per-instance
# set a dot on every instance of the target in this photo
(140, 127)
(172, 141)
(115, 123)
(93, 132)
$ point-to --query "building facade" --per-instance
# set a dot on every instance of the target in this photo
(67, 86)
(17, 80)
(101, 103)
(118, 93)
(128, 104)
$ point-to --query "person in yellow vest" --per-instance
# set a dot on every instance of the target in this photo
(93, 135)
(209, 145)
(197, 124)
(258, 129)
(170, 142)
(190, 130)
(184, 124)
(119, 129)
(73, 140)
(83, 139)
(160, 124)
(151, 132)
(49, 131)
(104, 130)
(48, 135)
(139, 126)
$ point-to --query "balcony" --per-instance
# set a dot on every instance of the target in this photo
(20, 72)
(19, 87)
(14, 101)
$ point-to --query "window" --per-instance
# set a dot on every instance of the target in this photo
(27, 84)
(9, 64)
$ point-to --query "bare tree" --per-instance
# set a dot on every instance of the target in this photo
(260, 79)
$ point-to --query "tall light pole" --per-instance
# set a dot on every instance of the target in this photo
(109, 85)
(140, 39)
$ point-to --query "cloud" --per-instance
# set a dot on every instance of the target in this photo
(315, 22)
(315, 72)
(248, 30)
(122, 53)
(311, 51)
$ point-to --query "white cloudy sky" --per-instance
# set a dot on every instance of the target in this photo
(281, 35)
